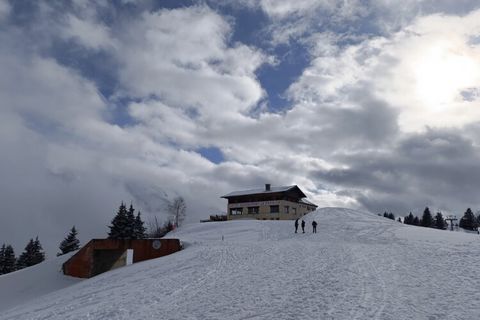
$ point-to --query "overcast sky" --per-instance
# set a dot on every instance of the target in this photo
(373, 105)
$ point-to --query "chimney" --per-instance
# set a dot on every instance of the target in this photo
(267, 187)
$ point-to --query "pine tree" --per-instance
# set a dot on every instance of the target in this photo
(416, 221)
(427, 220)
(38, 254)
(70, 243)
(468, 220)
(119, 228)
(408, 219)
(24, 260)
(130, 227)
(139, 228)
(399, 220)
(2, 258)
(32, 255)
(9, 260)
(391, 216)
(439, 221)
(385, 214)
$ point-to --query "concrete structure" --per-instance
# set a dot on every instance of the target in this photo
(270, 203)
(101, 255)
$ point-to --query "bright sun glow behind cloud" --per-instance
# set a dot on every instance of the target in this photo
(434, 74)
(442, 73)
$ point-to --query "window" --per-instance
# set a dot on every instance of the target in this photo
(253, 210)
(287, 209)
(236, 211)
(294, 210)
(274, 209)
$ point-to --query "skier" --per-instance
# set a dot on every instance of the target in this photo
(314, 225)
(296, 225)
(303, 226)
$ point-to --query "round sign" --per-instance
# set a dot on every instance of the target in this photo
(156, 244)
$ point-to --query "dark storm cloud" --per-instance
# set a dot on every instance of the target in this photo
(369, 120)
(440, 168)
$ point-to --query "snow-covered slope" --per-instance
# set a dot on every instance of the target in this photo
(358, 266)
(27, 284)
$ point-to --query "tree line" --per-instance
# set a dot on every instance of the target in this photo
(468, 221)
(124, 225)
(32, 255)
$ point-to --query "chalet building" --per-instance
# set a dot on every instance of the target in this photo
(270, 203)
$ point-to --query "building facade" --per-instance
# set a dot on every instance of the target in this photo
(270, 203)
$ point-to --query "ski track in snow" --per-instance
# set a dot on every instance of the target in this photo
(358, 266)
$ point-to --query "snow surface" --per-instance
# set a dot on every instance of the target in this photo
(24, 285)
(358, 266)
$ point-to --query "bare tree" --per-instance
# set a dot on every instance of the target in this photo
(177, 209)
(156, 230)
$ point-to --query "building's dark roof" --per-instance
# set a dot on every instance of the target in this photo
(262, 191)
(308, 202)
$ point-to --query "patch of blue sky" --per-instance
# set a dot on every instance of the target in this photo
(250, 29)
(172, 4)
(276, 79)
(213, 154)
(96, 65)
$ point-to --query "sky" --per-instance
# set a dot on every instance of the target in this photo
(371, 105)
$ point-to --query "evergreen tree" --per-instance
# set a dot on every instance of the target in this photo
(119, 228)
(427, 219)
(2, 258)
(385, 214)
(130, 228)
(391, 216)
(399, 220)
(24, 260)
(408, 219)
(9, 260)
(468, 220)
(139, 228)
(416, 221)
(439, 221)
(70, 243)
(32, 254)
(38, 254)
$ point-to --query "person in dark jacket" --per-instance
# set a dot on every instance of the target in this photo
(303, 226)
(314, 225)
(296, 225)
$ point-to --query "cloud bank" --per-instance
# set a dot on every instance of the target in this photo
(101, 103)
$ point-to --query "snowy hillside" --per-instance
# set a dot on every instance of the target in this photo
(358, 266)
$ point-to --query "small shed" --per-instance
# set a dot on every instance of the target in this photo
(101, 255)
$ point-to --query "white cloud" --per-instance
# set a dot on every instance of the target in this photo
(70, 166)
(89, 33)
(193, 87)
(184, 53)
(421, 71)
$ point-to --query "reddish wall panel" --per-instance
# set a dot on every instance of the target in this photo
(82, 264)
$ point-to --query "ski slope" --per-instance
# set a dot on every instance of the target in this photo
(358, 266)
